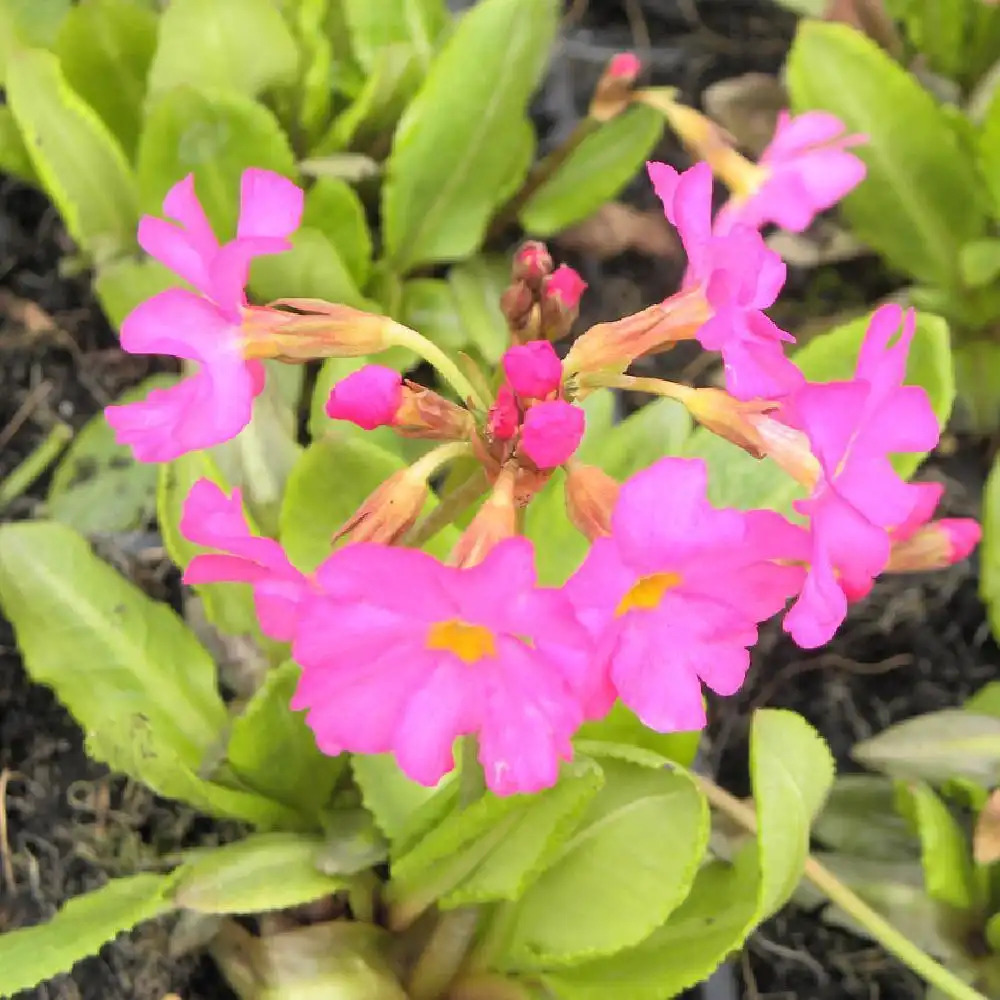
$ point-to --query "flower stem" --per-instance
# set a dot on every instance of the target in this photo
(434, 356)
(447, 510)
(22, 477)
(443, 955)
(837, 892)
(634, 383)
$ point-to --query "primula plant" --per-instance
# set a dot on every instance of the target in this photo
(475, 620)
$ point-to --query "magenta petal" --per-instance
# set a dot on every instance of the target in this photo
(551, 432)
(533, 370)
(829, 414)
(369, 397)
(230, 268)
(179, 323)
(175, 250)
(820, 609)
(182, 205)
(270, 205)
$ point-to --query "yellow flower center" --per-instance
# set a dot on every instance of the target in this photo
(647, 592)
(470, 643)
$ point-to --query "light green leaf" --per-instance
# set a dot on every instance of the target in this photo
(450, 158)
(31, 955)
(649, 827)
(980, 262)
(273, 751)
(622, 725)
(417, 23)
(334, 208)
(477, 285)
(78, 161)
(945, 851)
(105, 48)
(986, 701)
(267, 871)
(595, 172)
(214, 135)
(14, 156)
(110, 652)
(239, 45)
(228, 606)
(922, 199)
(429, 307)
(388, 794)
(660, 428)
(28, 23)
(312, 269)
(950, 743)
(559, 547)
(977, 379)
(792, 771)
(98, 486)
(123, 283)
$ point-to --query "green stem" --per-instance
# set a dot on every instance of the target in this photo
(443, 955)
(23, 475)
(835, 890)
(471, 780)
(635, 383)
(446, 368)
(447, 510)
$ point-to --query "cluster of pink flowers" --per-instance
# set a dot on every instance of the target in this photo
(401, 653)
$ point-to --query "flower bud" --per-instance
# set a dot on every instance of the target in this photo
(788, 448)
(517, 303)
(560, 304)
(591, 495)
(935, 545)
(494, 521)
(729, 417)
(551, 432)
(390, 511)
(613, 93)
(504, 417)
(614, 346)
(425, 414)
(532, 263)
(533, 370)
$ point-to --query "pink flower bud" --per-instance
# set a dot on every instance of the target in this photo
(551, 433)
(624, 66)
(935, 545)
(532, 263)
(565, 285)
(533, 370)
(503, 417)
(369, 397)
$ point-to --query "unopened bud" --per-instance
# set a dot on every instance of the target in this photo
(614, 346)
(519, 308)
(551, 432)
(591, 495)
(532, 263)
(706, 141)
(319, 329)
(788, 448)
(390, 511)
(560, 305)
(729, 417)
(613, 93)
(494, 521)
(504, 416)
(935, 546)
(533, 370)
(425, 414)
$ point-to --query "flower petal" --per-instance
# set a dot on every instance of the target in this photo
(182, 324)
(182, 205)
(270, 205)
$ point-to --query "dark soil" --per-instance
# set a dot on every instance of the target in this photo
(916, 645)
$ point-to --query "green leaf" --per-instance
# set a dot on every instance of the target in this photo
(595, 172)
(28, 23)
(239, 45)
(228, 606)
(945, 852)
(214, 135)
(986, 701)
(989, 582)
(334, 208)
(627, 865)
(989, 152)
(273, 751)
(14, 156)
(106, 48)
(98, 486)
(417, 23)
(792, 771)
(950, 743)
(31, 955)
(622, 725)
(977, 378)
(980, 262)
(450, 156)
(388, 794)
(655, 430)
(477, 285)
(736, 479)
(860, 818)
(429, 307)
(267, 871)
(922, 199)
(116, 653)
(77, 159)
(123, 283)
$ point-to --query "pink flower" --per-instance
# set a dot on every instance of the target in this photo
(551, 432)
(625, 65)
(533, 370)
(674, 595)
(504, 417)
(215, 402)
(805, 170)
(853, 427)
(738, 277)
(213, 520)
(565, 285)
(369, 397)
(402, 654)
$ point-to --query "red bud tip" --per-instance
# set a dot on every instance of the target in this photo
(625, 66)
(532, 263)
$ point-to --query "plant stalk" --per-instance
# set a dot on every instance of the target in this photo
(446, 368)
(25, 474)
(837, 892)
(447, 510)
